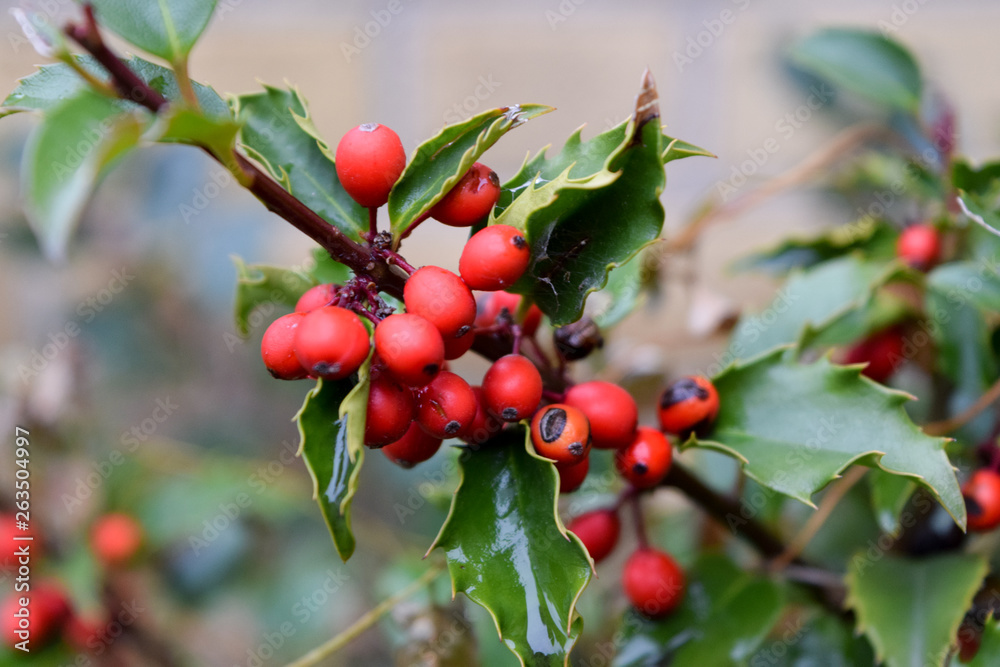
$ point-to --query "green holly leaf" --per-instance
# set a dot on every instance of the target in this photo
(65, 158)
(625, 289)
(440, 162)
(327, 270)
(332, 431)
(795, 427)
(725, 616)
(509, 552)
(675, 149)
(989, 648)
(820, 640)
(183, 125)
(982, 182)
(974, 283)
(910, 609)
(878, 241)
(864, 62)
(890, 494)
(261, 286)
(277, 133)
(165, 28)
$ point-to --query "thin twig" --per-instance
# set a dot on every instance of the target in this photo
(946, 426)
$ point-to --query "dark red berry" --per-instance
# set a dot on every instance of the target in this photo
(369, 161)
(446, 408)
(561, 433)
(116, 538)
(416, 446)
(494, 258)
(571, 477)
(919, 246)
(598, 530)
(391, 410)
(512, 388)
(48, 610)
(484, 425)
(491, 306)
(689, 404)
(982, 500)
(411, 348)
(882, 351)
(653, 582)
(316, 297)
(471, 200)
(331, 342)
(646, 461)
(277, 348)
(456, 347)
(443, 299)
(611, 411)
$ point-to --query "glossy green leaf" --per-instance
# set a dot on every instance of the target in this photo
(982, 181)
(725, 615)
(911, 609)
(328, 270)
(183, 125)
(277, 133)
(625, 289)
(989, 649)
(165, 28)
(509, 552)
(260, 286)
(440, 162)
(331, 430)
(65, 158)
(864, 62)
(975, 283)
(876, 240)
(890, 494)
(675, 149)
(820, 641)
(796, 426)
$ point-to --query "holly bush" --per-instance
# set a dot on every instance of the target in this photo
(824, 520)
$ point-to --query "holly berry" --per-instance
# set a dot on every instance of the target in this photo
(441, 297)
(919, 246)
(646, 461)
(883, 352)
(471, 200)
(484, 425)
(571, 477)
(369, 161)
(611, 411)
(316, 297)
(560, 432)
(116, 538)
(416, 446)
(446, 408)
(688, 404)
(598, 530)
(277, 348)
(982, 500)
(653, 582)
(331, 342)
(512, 388)
(456, 347)
(494, 258)
(48, 610)
(492, 305)
(391, 410)
(411, 348)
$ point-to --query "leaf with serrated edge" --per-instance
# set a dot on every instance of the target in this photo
(910, 609)
(165, 28)
(509, 552)
(795, 427)
(258, 284)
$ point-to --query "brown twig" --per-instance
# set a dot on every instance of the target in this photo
(946, 426)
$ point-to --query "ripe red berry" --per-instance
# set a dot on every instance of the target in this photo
(391, 410)
(653, 582)
(411, 348)
(598, 530)
(316, 297)
(471, 200)
(494, 258)
(611, 411)
(456, 347)
(688, 404)
(919, 246)
(331, 342)
(484, 426)
(882, 351)
(646, 461)
(446, 408)
(369, 161)
(982, 500)
(512, 388)
(561, 433)
(116, 538)
(571, 477)
(48, 610)
(277, 348)
(416, 446)
(441, 297)
(490, 306)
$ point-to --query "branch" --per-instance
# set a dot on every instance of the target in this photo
(948, 425)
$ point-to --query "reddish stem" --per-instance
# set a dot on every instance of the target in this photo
(640, 521)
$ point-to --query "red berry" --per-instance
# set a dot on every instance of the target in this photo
(494, 258)
(882, 351)
(446, 408)
(653, 582)
(512, 388)
(331, 342)
(116, 538)
(277, 348)
(484, 425)
(490, 306)
(441, 297)
(471, 200)
(416, 446)
(687, 405)
(646, 461)
(598, 530)
(48, 610)
(611, 411)
(561, 433)
(316, 297)
(982, 500)
(390, 412)
(919, 246)
(571, 477)
(456, 347)
(411, 348)
(369, 161)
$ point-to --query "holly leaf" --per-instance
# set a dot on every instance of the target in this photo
(261, 286)
(327, 270)
(983, 182)
(974, 283)
(820, 641)
(910, 609)
(184, 125)
(795, 427)
(876, 240)
(440, 162)
(626, 286)
(725, 616)
(65, 158)
(165, 28)
(889, 495)
(509, 552)
(277, 133)
(864, 62)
